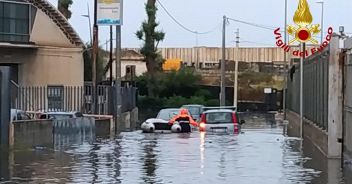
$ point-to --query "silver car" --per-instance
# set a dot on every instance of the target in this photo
(220, 121)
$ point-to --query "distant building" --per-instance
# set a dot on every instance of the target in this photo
(130, 60)
(40, 45)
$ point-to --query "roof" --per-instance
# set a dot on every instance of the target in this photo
(128, 53)
(170, 109)
(218, 110)
(58, 19)
(193, 105)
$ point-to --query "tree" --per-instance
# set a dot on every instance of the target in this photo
(87, 56)
(64, 8)
(151, 39)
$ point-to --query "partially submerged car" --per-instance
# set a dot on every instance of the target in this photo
(161, 122)
(222, 120)
(19, 115)
(194, 110)
(60, 115)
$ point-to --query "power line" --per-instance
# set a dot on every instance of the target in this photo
(253, 24)
(182, 26)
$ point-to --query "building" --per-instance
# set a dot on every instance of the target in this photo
(129, 59)
(40, 45)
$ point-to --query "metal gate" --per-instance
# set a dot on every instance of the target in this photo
(348, 107)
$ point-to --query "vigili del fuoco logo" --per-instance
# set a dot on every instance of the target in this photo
(303, 32)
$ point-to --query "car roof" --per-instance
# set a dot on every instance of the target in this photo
(218, 110)
(193, 105)
(170, 109)
(60, 113)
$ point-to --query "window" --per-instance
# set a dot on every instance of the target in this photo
(219, 117)
(55, 98)
(15, 21)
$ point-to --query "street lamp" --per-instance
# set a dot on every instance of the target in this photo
(90, 25)
(322, 21)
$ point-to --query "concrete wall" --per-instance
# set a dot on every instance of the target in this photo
(52, 66)
(104, 127)
(47, 65)
(335, 100)
(129, 121)
(315, 135)
(213, 54)
(348, 107)
(27, 134)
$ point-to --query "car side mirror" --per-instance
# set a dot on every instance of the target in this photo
(242, 122)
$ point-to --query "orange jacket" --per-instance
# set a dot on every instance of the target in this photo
(183, 115)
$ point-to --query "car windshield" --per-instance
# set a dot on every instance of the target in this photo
(218, 117)
(193, 111)
(167, 114)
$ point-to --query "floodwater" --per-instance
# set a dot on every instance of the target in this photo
(263, 154)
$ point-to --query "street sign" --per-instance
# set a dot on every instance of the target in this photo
(267, 90)
(109, 12)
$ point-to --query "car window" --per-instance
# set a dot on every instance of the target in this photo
(193, 110)
(60, 116)
(25, 116)
(78, 115)
(43, 116)
(219, 117)
(167, 114)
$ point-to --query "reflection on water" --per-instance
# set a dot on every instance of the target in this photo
(262, 154)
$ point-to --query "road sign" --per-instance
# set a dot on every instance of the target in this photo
(109, 12)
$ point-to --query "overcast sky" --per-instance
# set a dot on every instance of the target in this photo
(205, 15)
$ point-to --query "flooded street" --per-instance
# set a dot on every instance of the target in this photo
(262, 154)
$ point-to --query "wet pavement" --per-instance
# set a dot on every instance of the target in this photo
(262, 154)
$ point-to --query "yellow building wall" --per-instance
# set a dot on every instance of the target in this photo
(172, 64)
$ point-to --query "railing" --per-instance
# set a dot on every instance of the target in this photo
(315, 87)
(71, 98)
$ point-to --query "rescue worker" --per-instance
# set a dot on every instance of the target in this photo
(183, 116)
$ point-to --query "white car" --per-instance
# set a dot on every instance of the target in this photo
(161, 122)
(19, 115)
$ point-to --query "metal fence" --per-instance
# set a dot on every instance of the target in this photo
(71, 98)
(348, 106)
(315, 89)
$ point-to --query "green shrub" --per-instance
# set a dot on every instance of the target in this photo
(213, 102)
(203, 93)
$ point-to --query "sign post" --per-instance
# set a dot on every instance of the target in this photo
(110, 14)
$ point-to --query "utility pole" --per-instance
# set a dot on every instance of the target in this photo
(235, 89)
(238, 38)
(223, 87)
(118, 74)
(285, 68)
(322, 21)
(197, 60)
(303, 50)
(94, 57)
(110, 59)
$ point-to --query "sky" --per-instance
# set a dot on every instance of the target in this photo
(206, 15)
